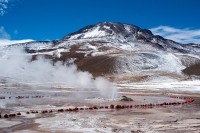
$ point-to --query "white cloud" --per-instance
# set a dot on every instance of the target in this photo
(16, 32)
(5, 38)
(4, 6)
(3, 33)
(4, 1)
(184, 36)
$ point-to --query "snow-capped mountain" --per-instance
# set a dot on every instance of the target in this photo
(125, 34)
(119, 51)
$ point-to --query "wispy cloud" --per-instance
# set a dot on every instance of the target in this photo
(184, 36)
(3, 33)
(3, 6)
(16, 32)
(5, 38)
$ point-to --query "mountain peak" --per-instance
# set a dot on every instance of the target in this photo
(115, 30)
(109, 35)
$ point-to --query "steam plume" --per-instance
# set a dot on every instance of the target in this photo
(17, 65)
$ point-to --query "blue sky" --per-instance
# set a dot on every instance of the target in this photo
(52, 19)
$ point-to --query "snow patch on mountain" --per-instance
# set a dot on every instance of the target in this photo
(144, 62)
(95, 33)
(57, 52)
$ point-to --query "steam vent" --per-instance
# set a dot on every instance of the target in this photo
(125, 98)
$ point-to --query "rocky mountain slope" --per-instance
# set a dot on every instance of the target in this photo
(120, 52)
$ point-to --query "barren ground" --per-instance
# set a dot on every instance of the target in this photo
(157, 119)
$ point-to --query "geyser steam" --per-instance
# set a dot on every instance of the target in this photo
(17, 65)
